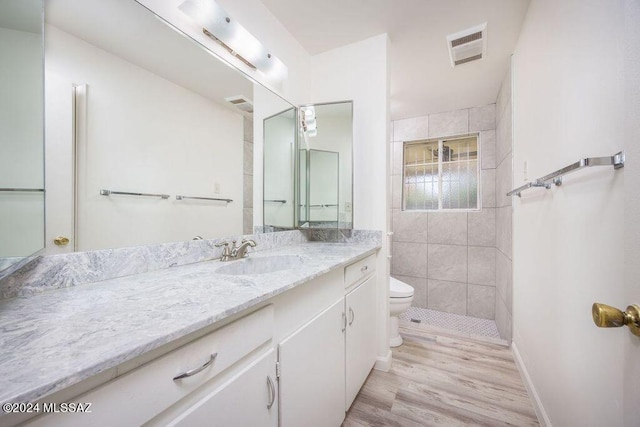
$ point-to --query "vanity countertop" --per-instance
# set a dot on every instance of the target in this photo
(59, 338)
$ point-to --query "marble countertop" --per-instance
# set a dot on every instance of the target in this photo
(59, 338)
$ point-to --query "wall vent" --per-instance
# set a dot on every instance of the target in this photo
(241, 102)
(467, 45)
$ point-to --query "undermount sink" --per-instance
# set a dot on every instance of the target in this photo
(260, 265)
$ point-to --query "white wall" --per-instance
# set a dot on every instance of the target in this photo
(21, 143)
(359, 72)
(191, 144)
(568, 252)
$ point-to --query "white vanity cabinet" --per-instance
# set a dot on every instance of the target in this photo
(312, 372)
(324, 363)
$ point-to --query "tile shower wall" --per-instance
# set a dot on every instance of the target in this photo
(449, 258)
(504, 183)
(247, 211)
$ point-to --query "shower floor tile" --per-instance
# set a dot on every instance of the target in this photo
(463, 324)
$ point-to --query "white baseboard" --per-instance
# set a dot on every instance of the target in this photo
(543, 418)
(383, 363)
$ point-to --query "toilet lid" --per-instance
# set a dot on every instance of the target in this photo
(399, 289)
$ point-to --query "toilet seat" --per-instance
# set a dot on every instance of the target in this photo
(398, 289)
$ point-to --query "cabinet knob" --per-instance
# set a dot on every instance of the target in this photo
(61, 241)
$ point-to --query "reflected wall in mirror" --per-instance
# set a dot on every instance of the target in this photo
(21, 131)
(321, 177)
(153, 116)
(279, 148)
(325, 166)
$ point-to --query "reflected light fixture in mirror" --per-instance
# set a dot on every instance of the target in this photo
(308, 123)
(217, 24)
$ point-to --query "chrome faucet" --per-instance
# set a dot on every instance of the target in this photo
(235, 252)
(241, 251)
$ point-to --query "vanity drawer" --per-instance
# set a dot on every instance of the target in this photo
(359, 270)
(139, 395)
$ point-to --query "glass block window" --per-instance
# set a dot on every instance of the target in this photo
(441, 174)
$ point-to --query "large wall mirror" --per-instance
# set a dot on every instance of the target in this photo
(149, 136)
(325, 158)
(21, 132)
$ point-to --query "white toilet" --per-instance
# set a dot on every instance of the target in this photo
(400, 297)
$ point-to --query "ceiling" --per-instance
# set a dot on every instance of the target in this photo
(422, 79)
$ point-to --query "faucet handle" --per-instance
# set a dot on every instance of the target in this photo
(226, 252)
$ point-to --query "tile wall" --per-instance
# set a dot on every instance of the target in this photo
(504, 183)
(247, 211)
(449, 258)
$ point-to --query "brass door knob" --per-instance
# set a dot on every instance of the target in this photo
(61, 241)
(605, 316)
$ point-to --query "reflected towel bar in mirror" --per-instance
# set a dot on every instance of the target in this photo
(203, 198)
(322, 206)
(22, 190)
(276, 201)
(126, 193)
(617, 161)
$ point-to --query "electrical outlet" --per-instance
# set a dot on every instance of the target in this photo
(216, 188)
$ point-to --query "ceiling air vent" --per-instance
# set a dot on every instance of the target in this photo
(241, 103)
(467, 45)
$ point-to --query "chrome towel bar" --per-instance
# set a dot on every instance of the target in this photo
(126, 193)
(276, 201)
(22, 190)
(203, 198)
(617, 161)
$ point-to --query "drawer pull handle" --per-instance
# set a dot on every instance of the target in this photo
(272, 392)
(198, 369)
(353, 316)
(365, 268)
(344, 322)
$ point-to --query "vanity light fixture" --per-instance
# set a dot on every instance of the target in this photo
(218, 25)
(308, 121)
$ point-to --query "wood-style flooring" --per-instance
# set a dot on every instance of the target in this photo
(443, 379)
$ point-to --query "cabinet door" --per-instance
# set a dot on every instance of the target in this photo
(361, 336)
(248, 398)
(312, 372)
